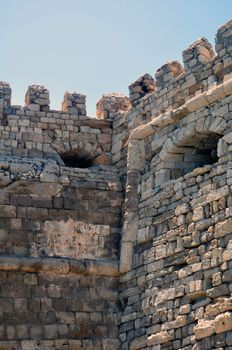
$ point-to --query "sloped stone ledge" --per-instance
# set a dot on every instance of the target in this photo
(197, 102)
(59, 266)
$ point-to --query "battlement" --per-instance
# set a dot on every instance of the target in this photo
(171, 86)
(37, 99)
(116, 231)
(174, 83)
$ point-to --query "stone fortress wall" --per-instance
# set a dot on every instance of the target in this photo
(60, 226)
(116, 232)
(175, 155)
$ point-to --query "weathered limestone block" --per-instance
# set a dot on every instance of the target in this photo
(227, 87)
(223, 322)
(197, 102)
(182, 209)
(166, 294)
(37, 98)
(167, 72)
(218, 291)
(141, 87)
(198, 214)
(204, 328)
(130, 227)
(223, 228)
(138, 343)
(126, 256)
(78, 235)
(180, 321)
(201, 51)
(74, 103)
(222, 148)
(159, 338)
(136, 155)
(227, 254)
(221, 305)
(110, 104)
(215, 93)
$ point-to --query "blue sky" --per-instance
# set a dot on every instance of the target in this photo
(97, 46)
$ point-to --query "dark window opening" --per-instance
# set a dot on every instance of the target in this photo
(78, 159)
(195, 153)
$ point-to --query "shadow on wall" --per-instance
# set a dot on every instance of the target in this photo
(78, 159)
(191, 153)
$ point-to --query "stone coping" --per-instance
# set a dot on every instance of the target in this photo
(202, 100)
(60, 265)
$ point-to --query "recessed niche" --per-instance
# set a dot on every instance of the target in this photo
(193, 153)
(77, 159)
(196, 153)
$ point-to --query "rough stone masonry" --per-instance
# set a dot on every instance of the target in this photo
(116, 232)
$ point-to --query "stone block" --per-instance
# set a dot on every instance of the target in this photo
(138, 343)
(223, 322)
(28, 345)
(50, 331)
(36, 331)
(164, 295)
(221, 305)
(223, 228)
(159, 338)
(218, 291)
(7, 211)
(204, 328)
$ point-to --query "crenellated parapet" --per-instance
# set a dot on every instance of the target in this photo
(168, 72)
(74, 103)
(37, 98)
(5, 94)
(110, 104)
(141, 87)
(197, 54)
(172, 86)
(224, 39)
